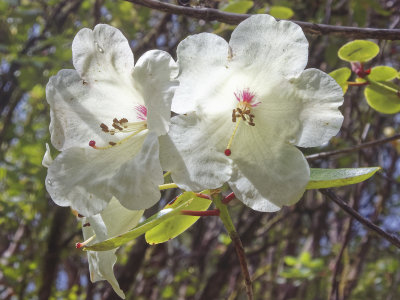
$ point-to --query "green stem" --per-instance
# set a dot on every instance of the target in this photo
(167, 186)
(227, 221)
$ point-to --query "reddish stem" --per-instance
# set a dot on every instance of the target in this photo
(196, 213)
(351, 83)
(228, 198)
(204, 196)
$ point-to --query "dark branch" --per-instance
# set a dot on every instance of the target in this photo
(211, 14)
(352, 149)
(367, 223)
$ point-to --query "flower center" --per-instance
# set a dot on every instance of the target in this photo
(123, 125)
(246, 101)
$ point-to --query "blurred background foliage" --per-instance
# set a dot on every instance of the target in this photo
(311, 250)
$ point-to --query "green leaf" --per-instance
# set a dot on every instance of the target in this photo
(341, 76)
(240, 7)
(281, 12)
(382, 73)
(173, 227)
(142, 228)
(383, 97)
(326, 178)
(358, 50)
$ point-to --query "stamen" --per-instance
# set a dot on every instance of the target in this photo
(104, 127)
(227, 150)
(112, 144)
(116, 126)
(80, 245)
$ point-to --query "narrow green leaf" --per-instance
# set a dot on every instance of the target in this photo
(281, 12)
(382, 73)
(358, 50)
(175, 226)
(326, 178)
(142, 228)
(341, 76)
(383, 97)
(240, 7)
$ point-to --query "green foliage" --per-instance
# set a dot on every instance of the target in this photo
(326, 178)
(281, 12)
(383, 97)
(239, 7)
(358, 51)
(175, 226)
(382, 73)
(182, 202)
(341, 76)
(302, 267)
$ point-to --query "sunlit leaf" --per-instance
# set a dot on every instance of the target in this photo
(240, 7)
(341, 76)
(175, 226)
(382, 73)
(326, 178)
(383, 97)
(281, 12)
(358, 50)
(142, 228)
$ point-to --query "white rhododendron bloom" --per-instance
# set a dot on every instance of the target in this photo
(113, 220)
(106, 117)
(245, 107)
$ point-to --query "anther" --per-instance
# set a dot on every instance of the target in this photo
(116, 126)
(92, 144)
(86, 224)
(112, 143)
(104, 127)
(228, 152)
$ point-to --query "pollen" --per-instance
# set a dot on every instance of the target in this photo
(246, 102)
(123, 126)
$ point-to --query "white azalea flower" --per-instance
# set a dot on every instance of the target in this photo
(246, 106)
(106, 117)
(113, 220)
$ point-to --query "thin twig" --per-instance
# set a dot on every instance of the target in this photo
(343, 205)
(211, 14)
(352, 149)
(230, 228)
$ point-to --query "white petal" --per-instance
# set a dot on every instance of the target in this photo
(78, 108)
(102, 54)
(202, 60)
(260, 44)
(189, 152)
(82, 177)
(154, 76)
(47, 159)
(320, 97)
(136, 182)
(266, 178)
(119, 219)
(114, 220)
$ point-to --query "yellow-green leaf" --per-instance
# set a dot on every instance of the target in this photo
(281, 12)
(383, 97)
(358, 51)
(326, 178)
(341, 76)
(142, 228)
(240, 7)
(382, 73)
(175, 226)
